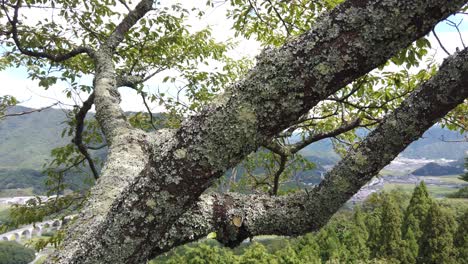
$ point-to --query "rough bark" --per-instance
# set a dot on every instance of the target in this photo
(108, 112)
(308, 211)
(151, 180)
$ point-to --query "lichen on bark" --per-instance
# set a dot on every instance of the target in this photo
(151, 182)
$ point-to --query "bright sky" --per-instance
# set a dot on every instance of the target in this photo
(15, 82)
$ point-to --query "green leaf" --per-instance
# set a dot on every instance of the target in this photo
(211, 235)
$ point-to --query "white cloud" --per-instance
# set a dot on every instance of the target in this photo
(28, 92)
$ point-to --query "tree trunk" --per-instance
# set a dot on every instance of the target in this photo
(141, 204)
(308, 211)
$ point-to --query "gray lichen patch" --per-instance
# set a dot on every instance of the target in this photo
(246, 115)
(180, 153)
(222, 99)
(323, 68)
(151, 203)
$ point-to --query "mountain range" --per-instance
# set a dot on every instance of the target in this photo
(26, 142)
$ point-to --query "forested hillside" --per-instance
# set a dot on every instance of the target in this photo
(438, 143)
(389, 228)
(26, 142)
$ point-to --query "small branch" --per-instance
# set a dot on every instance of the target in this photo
(71, 166)
(281, 150)
(78, 139)
(316, 137)
(456, 26)
(133, 82)
(151, 75)
(465, 140)
(363, 108)
(288, 33)
(125, 4)
(340, 141)
(255, 9)
(98, 147)
(276, 178)
(90, 31)
(361, 82)
(299, 124)
(462, 126)
(440, 43)
(143, 96)
(29, 112)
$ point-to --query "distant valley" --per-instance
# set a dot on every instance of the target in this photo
(26, 142)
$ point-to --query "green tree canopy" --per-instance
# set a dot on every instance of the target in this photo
(464, 176)
(416, 212)
(438, 233)
(14, 253)
(461, 238)
(390, 230)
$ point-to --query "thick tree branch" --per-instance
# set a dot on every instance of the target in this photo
(303, 212)
(107, 98)
(133, 82)
(151, 180)
(128, 81)
(143, 7)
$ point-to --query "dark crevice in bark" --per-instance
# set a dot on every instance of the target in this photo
(230, 230)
